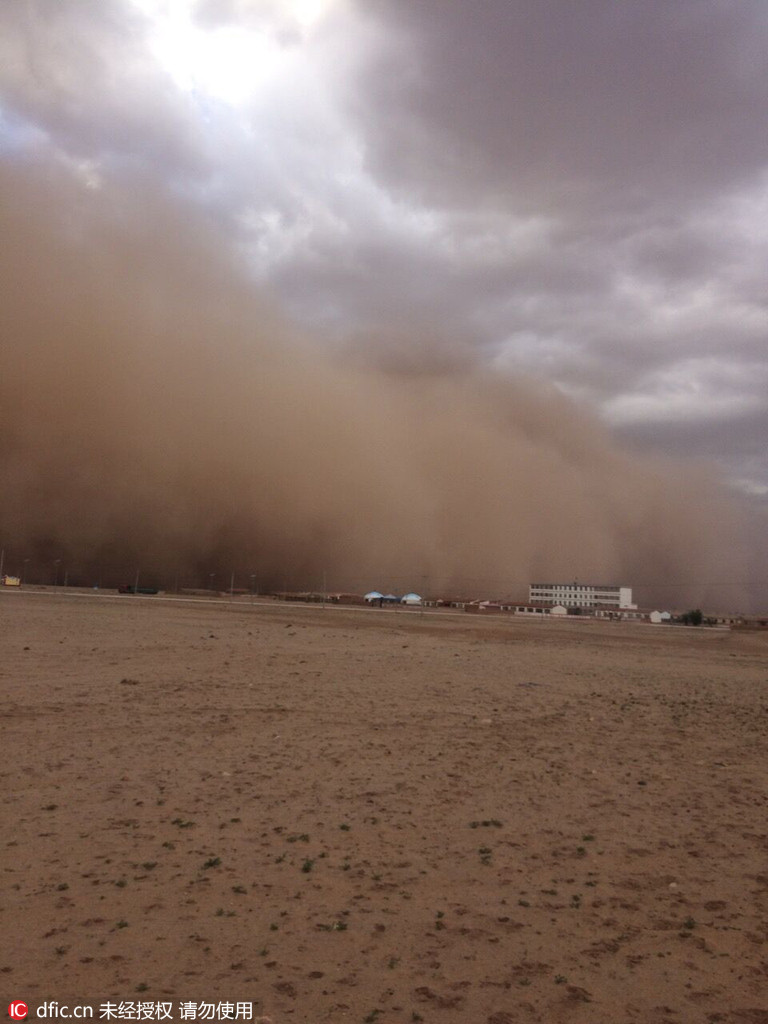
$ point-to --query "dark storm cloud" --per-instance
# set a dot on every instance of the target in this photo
(636, 130)
(553, 103)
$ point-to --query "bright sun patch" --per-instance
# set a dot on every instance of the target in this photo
(229, 62)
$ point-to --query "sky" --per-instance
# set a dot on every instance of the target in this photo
(574, 195)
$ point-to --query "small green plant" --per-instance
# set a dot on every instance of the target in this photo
(273, 927)
(280, 859)
(372, 1017)
(121, 924)
(149, 864)
(62, 887)
(486, 823)
(689, 924)
(523, 903)
(240, 889)
(212, 862)
(345, 827)
(142, 986)
(588, 838)
(560, 979)
(485, 854)
(121, 883)
(307, 866)
(181, 823)
(575, 901)
(298, 838)
(393, 962)
(169, 845)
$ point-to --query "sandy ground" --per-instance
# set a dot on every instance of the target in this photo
(382, 816)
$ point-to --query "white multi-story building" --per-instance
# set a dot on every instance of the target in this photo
(582, 595)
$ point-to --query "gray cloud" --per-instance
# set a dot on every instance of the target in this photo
(81, 73)
(555, 104)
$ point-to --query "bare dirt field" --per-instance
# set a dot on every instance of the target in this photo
(382, 816)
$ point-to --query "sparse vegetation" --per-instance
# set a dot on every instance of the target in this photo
(335, 926)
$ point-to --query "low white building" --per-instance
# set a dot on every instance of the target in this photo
(582, 595)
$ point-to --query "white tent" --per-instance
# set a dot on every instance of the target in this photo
(410, 599)
(373, 596)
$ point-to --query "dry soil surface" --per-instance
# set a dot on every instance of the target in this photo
(379, 815)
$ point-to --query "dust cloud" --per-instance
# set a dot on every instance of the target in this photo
(157, 410)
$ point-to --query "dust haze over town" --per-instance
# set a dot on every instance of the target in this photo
(178, 395)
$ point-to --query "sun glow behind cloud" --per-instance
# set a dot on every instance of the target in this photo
(227, 62)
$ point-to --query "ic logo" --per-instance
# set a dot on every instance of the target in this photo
(18, 1011)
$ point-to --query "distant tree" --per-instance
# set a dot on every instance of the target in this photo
(692, 618)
